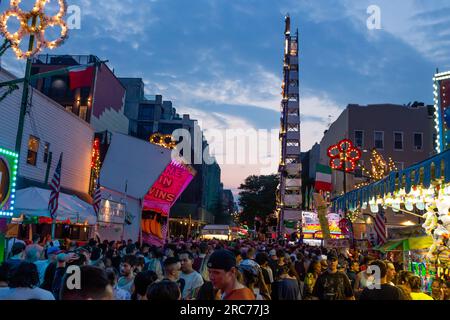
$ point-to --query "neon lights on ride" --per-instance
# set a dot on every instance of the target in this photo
(344, 154)
(37, 30)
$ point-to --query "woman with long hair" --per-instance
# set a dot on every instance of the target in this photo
(314, 271)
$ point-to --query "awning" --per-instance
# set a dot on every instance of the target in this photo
(418, 174)
(33, 202)
(419, 243)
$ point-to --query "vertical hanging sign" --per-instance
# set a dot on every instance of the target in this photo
(8, 174)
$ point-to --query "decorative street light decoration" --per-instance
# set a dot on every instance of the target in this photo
(36, 29)
(344, 156)
(166, 141)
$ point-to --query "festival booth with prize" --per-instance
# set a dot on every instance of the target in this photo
(422, 191)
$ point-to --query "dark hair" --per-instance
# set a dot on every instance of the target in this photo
(312, 264)
(25, 275)
(142, 281)
(96, 253)
(130, 249)
(280, 253)
(17, 248)
(170, 261)
(403, 277)
(163, 290)
(130, 259)
(382, 265)
(414, 283)
(261, 258)
(188, 253)
(36, 237)
(112, 275)
(94, 284)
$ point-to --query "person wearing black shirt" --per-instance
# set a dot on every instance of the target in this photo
(332, 284)
(382, 290)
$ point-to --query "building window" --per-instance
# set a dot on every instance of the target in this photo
(379, 139)
(46, 151)
(146, 112)
(398, 141)
(83, 112)
(69, 108)
(359, 138)
(418, 141)
(33, 149)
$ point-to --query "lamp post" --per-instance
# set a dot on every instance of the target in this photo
(37, 42)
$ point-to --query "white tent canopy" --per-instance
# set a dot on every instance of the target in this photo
(34, 202)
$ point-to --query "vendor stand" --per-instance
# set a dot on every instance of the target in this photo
(422, 191)
(75, 219)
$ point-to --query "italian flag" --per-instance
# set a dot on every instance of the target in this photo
(323, 178)
(80, 77)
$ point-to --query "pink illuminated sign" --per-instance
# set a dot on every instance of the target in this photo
(168, 188)
(160, 198)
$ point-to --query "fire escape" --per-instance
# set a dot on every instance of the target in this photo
(289, 195)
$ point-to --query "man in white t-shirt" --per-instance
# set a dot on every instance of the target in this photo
(193, 280)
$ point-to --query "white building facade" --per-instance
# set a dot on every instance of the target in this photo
(49, 130)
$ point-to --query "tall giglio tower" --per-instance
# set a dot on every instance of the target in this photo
(289, 194)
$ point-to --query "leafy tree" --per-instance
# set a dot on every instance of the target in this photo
(258, 197)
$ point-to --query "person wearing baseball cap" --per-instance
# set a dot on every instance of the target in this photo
(223, 275)
(333, 284)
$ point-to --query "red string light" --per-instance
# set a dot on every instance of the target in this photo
(344, 153)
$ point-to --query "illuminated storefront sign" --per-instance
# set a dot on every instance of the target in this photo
(311, 226)
(8, 174)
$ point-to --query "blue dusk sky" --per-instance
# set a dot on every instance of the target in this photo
(221, 60)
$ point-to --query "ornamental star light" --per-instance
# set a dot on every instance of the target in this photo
(39, 23)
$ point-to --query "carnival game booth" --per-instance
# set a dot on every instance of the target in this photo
(75, 219)
(422, 191)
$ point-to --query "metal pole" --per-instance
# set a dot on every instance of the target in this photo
(26, 83)
(49, 164)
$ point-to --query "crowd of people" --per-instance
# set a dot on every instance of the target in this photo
(203, 270)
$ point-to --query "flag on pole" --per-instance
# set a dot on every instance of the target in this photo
(81, 76)
(97, 197)
(323, 178)
(55, 187)
(380, 227)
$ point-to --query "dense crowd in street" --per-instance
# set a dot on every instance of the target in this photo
(203, 270)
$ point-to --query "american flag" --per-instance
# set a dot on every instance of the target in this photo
(97, 197)
(380, 227)
(55, 186)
